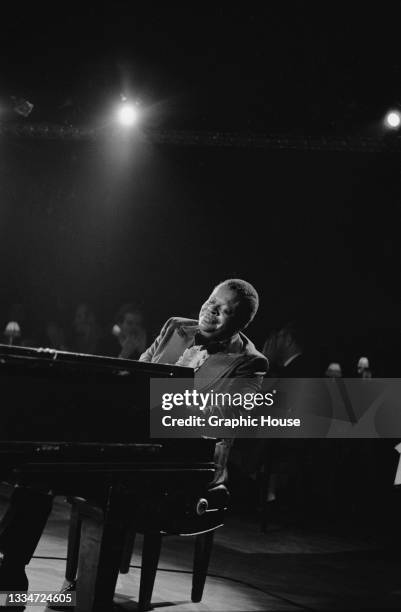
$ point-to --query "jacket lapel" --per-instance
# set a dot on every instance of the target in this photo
(216, 367)
(219, 365)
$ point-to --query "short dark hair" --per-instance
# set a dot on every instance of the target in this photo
(297, 329)
(249, 298)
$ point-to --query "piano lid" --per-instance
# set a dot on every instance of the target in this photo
(28, 355)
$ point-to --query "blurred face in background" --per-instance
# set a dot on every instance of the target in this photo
(54, 334)
(84, 319)
(131, 325)
(278, 346)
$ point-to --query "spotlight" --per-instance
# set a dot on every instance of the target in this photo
(393, 119)
(127, 114)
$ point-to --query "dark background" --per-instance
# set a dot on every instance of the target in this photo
(121, 217)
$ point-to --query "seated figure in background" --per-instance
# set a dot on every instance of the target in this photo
(128, 337)
(54, 336)
(132, 335)
(86, 333)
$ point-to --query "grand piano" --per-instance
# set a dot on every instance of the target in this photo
(80, 425)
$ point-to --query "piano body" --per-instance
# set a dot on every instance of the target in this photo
(80, 424)
(55, 395)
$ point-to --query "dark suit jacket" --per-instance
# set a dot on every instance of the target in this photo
(237, 368)
(239, 359)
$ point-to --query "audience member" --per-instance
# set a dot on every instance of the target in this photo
(334, 370)
(363, 368)
(132, 337)
(86, 333)
(54, 336)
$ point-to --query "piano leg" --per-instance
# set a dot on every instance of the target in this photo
(103, 534)
(23, 523)
(74, 538)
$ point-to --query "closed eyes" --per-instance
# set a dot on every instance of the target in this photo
(226, 311)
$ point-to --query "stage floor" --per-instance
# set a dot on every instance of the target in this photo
(287, 568)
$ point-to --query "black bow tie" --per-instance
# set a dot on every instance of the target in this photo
(212, 346)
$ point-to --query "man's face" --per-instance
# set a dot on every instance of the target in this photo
(81, 321)
(132, 324)
(218, 317)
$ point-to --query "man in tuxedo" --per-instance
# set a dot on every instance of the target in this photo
(214, 345)
(223, 358)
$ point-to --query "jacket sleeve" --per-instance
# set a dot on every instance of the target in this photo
(150, 352)
(253, 370)
(246, 379)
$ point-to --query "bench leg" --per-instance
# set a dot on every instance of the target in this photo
(203, 549)
(150, 561)
(127, 551)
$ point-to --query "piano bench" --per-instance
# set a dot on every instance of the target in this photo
(115, 538)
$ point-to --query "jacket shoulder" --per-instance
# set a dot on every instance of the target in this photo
(253, 355)
(250, 349)
(178, 321)
(181, 324)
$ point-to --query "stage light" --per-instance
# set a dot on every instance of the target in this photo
(116, 330)
(127, 114)
(12, 331)
(393, 119)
